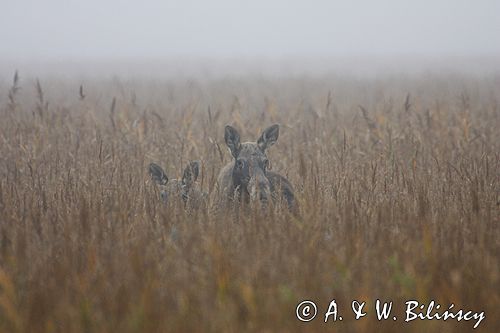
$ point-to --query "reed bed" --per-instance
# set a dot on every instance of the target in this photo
(398, 181)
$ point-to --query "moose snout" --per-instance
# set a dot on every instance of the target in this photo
(260, 189)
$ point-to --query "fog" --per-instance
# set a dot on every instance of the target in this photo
(224, 35)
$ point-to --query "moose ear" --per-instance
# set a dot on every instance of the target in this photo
(157, 174)
(191, 173)
(232, 138)
(269, 137)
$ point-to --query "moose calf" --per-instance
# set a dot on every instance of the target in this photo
(185, 189)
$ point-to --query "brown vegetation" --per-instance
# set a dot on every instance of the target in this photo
(398, 181)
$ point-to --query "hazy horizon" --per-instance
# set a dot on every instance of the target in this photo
(123, 37)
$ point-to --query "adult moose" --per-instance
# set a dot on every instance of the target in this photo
(246, 179)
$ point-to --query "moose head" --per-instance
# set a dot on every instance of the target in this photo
(249, 172)
(183, 188)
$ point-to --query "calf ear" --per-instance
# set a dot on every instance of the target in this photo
(269, 137)
(232, 138)
(157, 174)
(191, 173)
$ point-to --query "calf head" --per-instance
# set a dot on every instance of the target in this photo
(175, 188)
(251, 163)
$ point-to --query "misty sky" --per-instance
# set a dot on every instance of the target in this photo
(92, 29)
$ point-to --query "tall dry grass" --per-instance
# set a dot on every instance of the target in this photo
(397, 179)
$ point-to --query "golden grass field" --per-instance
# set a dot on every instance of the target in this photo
(398, 180)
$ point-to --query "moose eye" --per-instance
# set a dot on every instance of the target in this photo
(266, 163)
(240, 164)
